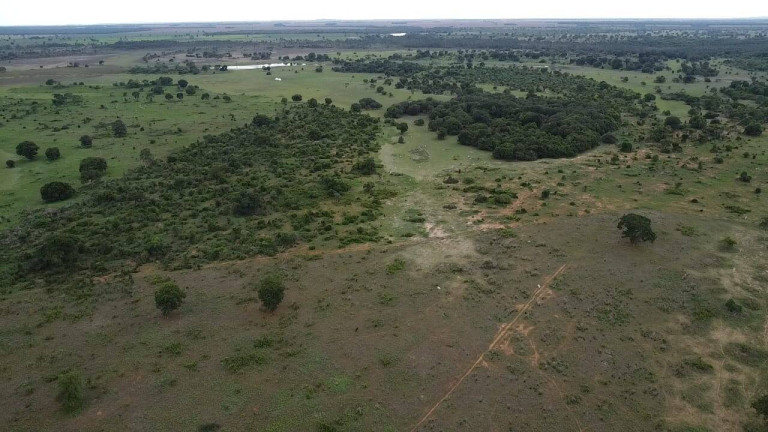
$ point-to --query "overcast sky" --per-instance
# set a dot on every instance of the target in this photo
(49, 12)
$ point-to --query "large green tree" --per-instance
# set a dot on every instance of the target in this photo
(28, 149)
(636, 228)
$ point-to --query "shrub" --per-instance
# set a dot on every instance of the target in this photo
(70, 394)
(52, 153)
(296, 98)
(271, 291)
(168, 297)
(92, 168)
(746, 178)
(56, 191)
(753, 129)
(10, 163)
(86, 141)
(727, 244)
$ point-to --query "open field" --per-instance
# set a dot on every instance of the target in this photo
(437, 288)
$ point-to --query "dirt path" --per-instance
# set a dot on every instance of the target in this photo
(500, 335)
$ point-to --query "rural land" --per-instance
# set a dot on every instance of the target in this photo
(416, 225)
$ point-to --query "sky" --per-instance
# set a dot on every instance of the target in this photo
(49, 12)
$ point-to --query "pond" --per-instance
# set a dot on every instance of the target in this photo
(260, 66)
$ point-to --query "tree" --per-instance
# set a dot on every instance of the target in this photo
(296, 98)
(70, 394)
(227, 98)
(402, 127)
(190, 91)
(168, 297)
(86, 141)
(205, 96)
(10, 163)
(52, 153)
(271, 291)
(328, 101)
(637, 228)
(673, 122)
(746, 178)
(168, 96)
(366, 167)
(56, 191)
(753, 129)
(28, 149)
(118, 129)
(92, 168)
(697, 122)
(165, 81)
(180, 96)
(356, 108)
(183, 83)
(312, 103)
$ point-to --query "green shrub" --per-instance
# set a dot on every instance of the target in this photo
(70, 394)
(56, 191)
(168, 297)
(271, 291)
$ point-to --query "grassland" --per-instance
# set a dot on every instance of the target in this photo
(468, 315)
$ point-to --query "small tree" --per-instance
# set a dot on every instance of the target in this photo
(328, 101)
(118, 128)
(271, 291)
(52, 153)
(28, 149)
(402, 127)
(86, 141)
(56, 191)
(180, 96)
(637, 228)
(183, 83)
(10, 163)
(168, 96)
(168, 297)
(746, 178)
(312, 103)
(296, 98)
(70, 394)
(205, 96)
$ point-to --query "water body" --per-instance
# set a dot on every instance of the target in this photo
(260, 66)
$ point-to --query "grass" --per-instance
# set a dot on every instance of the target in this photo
(364, 339)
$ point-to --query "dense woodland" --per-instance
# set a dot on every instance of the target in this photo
(257, 189)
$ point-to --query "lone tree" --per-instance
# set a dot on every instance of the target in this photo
(118, 128)
(637, 228)
(296, 98)
(56, 191)
(10, 163)
(168, 297)
(52, 153)
(271, 291)
(86, 141)
(28, 149)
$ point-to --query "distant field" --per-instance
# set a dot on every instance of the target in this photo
(482, 294)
